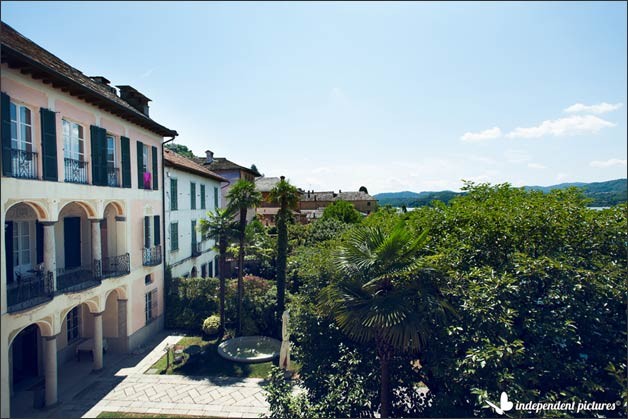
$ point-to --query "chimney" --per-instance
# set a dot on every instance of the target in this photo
(308, 193)
(209, 156)
(104, 82)
(283, 177)
(339, 190)
(134, 98)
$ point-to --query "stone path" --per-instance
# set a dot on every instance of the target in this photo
(175, 394)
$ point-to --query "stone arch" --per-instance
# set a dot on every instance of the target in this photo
(87, 207)
(117, 206)
(121, 291)
(41, 212)
(45, 327)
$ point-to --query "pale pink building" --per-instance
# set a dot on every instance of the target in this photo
(81, 207)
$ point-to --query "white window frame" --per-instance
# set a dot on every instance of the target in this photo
(22, 255)
(18, 142)
(68, 140)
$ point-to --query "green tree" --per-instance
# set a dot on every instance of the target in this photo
(180, 149)
(287, 197)
(242, 196)
(384, 297)
(221, 227)
(343, 211)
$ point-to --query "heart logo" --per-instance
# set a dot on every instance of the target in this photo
(504, 404)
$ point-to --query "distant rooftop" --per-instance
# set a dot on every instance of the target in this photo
(336, 196)
(176, 160)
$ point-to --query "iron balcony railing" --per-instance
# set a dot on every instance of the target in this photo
(75, 170)
(196, 249)
(30, 291)
(113, 176)
(113, 266)
(78, 279)
(23, 164)
(152, 256)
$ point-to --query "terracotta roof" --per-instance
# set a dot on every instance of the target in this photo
(221, 163)
(24, 54)
(173, 159)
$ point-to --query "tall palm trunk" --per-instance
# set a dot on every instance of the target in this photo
(241, 267)
(282, 250)
(222, 248)
(384, 352)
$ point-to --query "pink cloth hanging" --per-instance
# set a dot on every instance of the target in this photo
(147, 180)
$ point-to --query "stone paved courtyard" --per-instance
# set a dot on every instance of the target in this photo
(123, 387)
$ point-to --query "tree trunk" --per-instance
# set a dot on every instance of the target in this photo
(282, 249)
(241, 268)
(221, 277)
(384, 353)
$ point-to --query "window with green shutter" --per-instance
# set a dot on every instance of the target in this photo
(155, 172)
(98, 137)
(49, 144)
(6, 135)
(140, 165)
(215, 197)
(202, 196)
(174, 236)
(157, 229)
(192, 195)
(174, 195)
(126, 161)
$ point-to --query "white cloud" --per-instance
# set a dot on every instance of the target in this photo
(598, 109)
(571, 125)
(536, 166)
(607, 163)
(475, 137)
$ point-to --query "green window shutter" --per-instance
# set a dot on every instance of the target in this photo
(99, 153)
(174, 197)
(146, 232)
(192, 195)
(6, 134)
(202, 196)
(155, 172)
(49, 144)
(126, 161)
(140, 165)
(157, 224)
(215, 197)
(193, 234)
(174, 236)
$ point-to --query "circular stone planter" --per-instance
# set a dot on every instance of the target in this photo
(250, 349)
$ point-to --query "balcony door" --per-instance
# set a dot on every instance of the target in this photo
(72, 241)
(21, 142)
(22, 263)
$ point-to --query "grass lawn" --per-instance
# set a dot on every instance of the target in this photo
(208, 362)
(141, 415)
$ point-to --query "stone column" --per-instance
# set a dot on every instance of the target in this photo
(50, 368)
(6, 381)
(50, 251)
(96, 244)
(97, 350)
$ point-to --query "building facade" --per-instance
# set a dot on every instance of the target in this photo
(191, 191)
(81, 206)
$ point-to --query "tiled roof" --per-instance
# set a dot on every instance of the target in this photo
(333, 196)
(176, 160)
(20, 52)
(221, 163)
(265, 184)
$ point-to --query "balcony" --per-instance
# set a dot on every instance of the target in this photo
(23, 164)
(113, 266)
(152, 256)
(113, 176)
(196, 249)
(30, 291)
(78, 279)
(75, 170)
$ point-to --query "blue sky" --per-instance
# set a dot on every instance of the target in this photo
(392, 96)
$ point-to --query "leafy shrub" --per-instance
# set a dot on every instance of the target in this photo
(189, 301)
(211, 325)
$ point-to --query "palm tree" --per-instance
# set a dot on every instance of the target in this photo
(287, 197)
(242, 196)
(384, 296)
(220, 227)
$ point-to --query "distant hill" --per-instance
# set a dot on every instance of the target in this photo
(604, 194)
